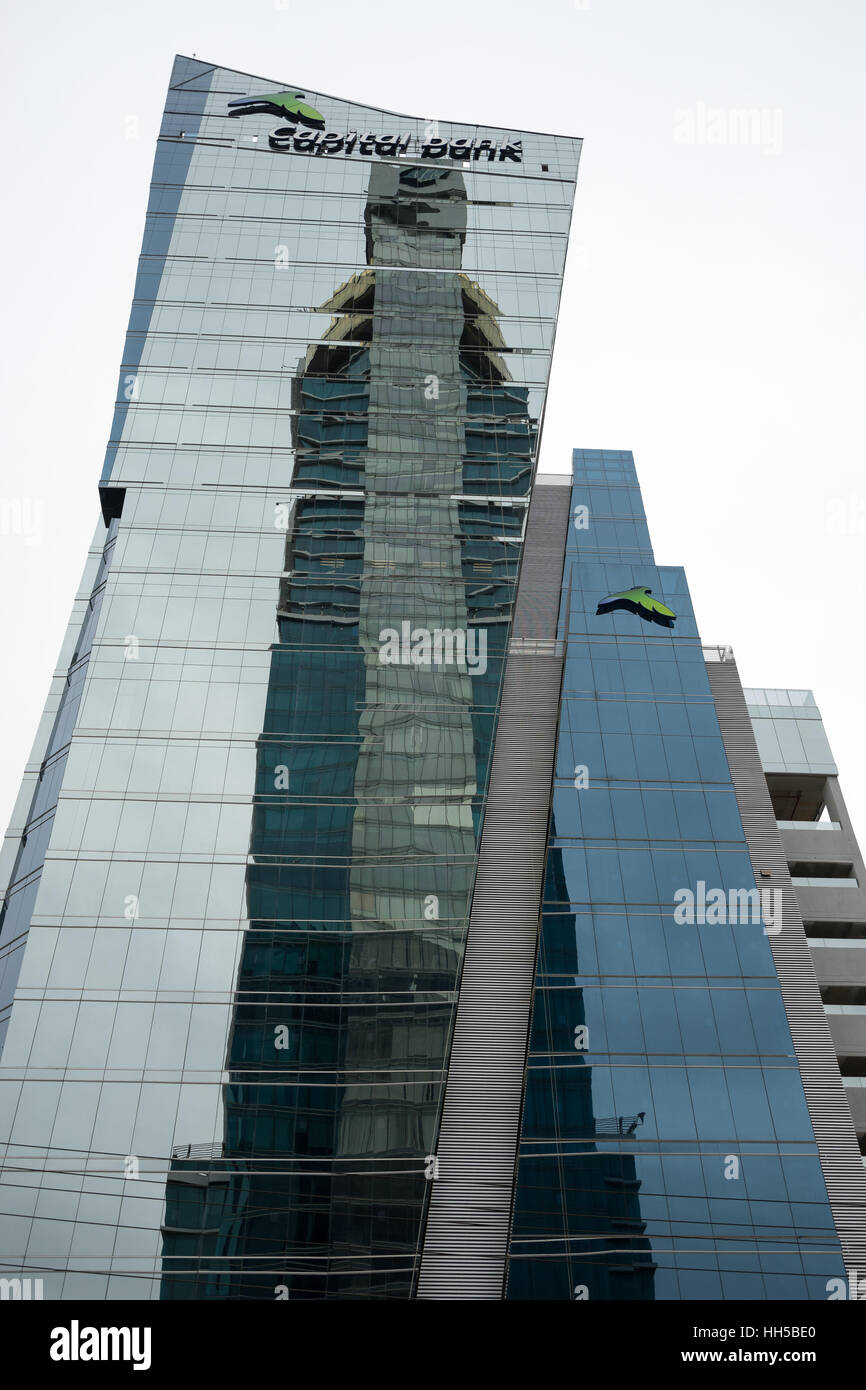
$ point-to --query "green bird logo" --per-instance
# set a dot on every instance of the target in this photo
(638, 600)
(285, 104)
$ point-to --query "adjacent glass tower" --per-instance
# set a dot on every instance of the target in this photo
(238, 878)
(666, 1148)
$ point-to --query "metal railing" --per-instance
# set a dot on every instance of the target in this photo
(809, 825)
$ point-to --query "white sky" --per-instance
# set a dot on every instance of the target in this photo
(712, 319)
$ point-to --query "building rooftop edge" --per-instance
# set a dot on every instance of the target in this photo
(385, 110)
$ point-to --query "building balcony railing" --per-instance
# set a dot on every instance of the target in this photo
(212, 1150)
(825, 883)
(809, 824)
(821, 943)
(619, 1125)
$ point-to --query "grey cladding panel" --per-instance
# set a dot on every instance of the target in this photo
(466, 1237)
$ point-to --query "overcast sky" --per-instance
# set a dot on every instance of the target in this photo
(712, 319)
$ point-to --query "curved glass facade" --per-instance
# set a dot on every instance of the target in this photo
(232, 952)
(666, 1149)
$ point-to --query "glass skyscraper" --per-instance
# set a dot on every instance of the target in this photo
(666, 1148)
(240, 869)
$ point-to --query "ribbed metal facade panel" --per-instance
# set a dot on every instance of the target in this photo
(469, 1213)
(825, 1094)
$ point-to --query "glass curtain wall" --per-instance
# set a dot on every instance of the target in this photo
(243, 939)
(666, 1149)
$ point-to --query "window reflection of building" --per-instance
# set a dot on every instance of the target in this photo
(577, 1226)
(413, 462)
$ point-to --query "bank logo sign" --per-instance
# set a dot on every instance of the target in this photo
(638, 600)
(285, 104)
(314, 139)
